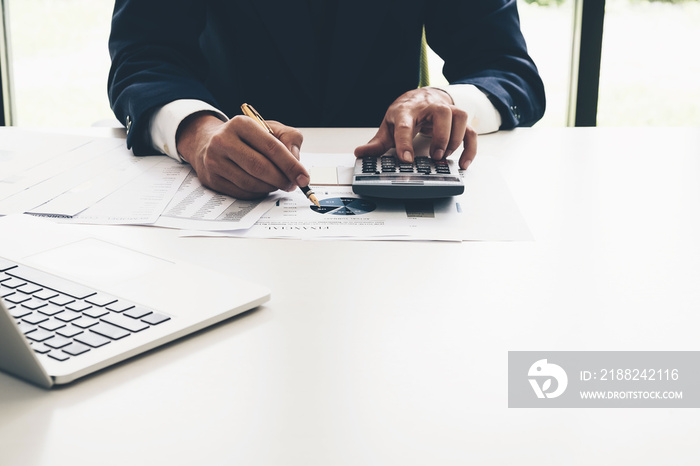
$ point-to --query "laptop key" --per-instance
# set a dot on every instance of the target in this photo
(26, 328)
(137, 312)
(85, 322)
(59, 356)
(34, 304)
(92, 339)
(45, 294)
(51, 309)
(75, 349)
(13, 283)
(17, 298)
(19, 312)
(35, 318)
(40, 335)
(58, 342)
(29, 288)
(70, 331)
(101, 299)
(125, 322)
(68, 316)
(155, 318)
(40, 348)
(110, 331)
(78, 306)
(119, 306)
(52, 325)
(96, 312)
(61, 300)
(48, 280)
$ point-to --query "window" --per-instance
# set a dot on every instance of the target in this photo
(650, 66)
(59, 61)
(548, 29)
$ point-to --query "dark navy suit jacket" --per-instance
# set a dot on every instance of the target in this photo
(226, 52)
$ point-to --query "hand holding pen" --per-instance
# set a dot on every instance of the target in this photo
(252, 113)
(239, 157)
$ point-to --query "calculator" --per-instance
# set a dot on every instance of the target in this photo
(387, 177)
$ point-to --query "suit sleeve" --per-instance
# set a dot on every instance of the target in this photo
(481, 44)
(155, 60)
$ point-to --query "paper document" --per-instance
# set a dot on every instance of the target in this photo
(486, 211)
(344, 215)
(141, 200)
(92, 182)
(30, 185)
(22, 150)
(199, 208)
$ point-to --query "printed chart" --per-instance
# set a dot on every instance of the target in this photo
(344, 206)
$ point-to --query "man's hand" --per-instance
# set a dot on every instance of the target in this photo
(431, 112)
(240, 157)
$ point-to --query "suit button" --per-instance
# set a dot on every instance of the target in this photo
(515, 111)
(128, 124)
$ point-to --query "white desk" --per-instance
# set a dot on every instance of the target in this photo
(376, 353)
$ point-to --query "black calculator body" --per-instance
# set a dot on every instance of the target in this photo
(387, 177)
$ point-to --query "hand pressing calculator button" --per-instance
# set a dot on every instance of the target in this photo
(425, 178)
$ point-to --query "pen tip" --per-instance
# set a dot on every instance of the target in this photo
(314, 200)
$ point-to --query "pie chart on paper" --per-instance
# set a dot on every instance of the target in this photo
(344, 206)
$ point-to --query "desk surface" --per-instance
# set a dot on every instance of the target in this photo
(396, 353)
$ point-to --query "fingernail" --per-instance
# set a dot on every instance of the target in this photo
(466, 165)
(439, 154)
(407, 156)
(448, 152)
(302, 180)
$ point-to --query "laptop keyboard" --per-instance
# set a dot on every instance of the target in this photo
(63, 319)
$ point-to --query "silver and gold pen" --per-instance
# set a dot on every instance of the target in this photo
(248, 110)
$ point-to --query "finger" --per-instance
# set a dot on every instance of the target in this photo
(223, 172)
(270, 160)
(242, 189)
(459, 127)
(441, 117)
(378, 145)
(290, 137)
(404, 131)
(469, 151)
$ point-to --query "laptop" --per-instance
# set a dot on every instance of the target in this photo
(73, 303)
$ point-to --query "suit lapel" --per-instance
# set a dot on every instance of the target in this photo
(289, 23)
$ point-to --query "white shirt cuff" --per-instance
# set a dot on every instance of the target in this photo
(166, 120)
(481, 114)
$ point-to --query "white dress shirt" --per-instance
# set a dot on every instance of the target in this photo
(482, 116)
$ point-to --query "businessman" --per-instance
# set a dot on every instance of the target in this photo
(182, 68)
